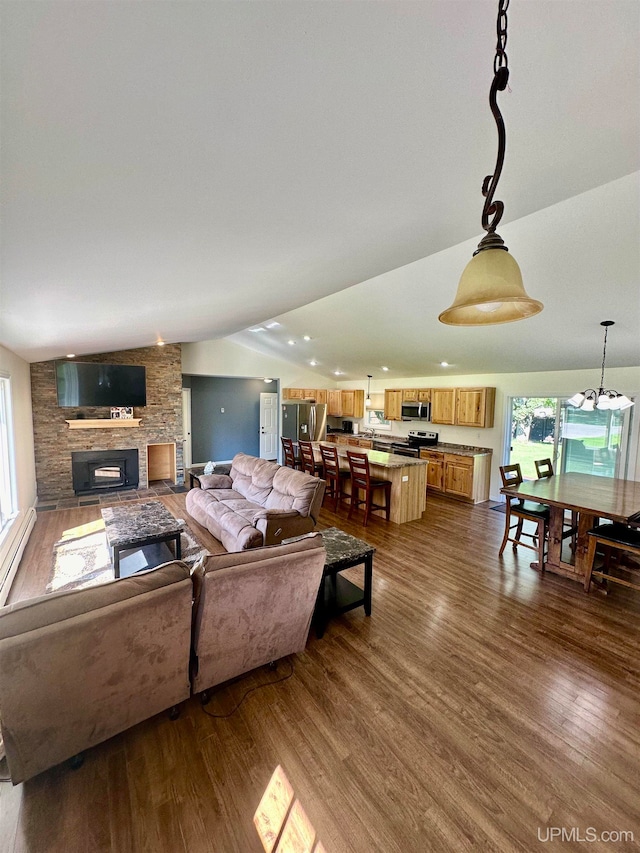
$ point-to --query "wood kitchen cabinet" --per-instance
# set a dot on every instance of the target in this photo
(443, 406)
(475, 406)
(435, 469)
(353, 404)
(334, 403)
(321, 395)
(462, 477)
(393, 405)
(293, 393)
(409, 395)
(424, 395)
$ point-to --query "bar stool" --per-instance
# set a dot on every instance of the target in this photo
(289, 453)
(361, 480)
(308, 460)
(544, 470)
(333, 473)
(522, 511)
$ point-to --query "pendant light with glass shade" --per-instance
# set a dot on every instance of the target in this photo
(490, 290)
(590, 399)
(367, 402)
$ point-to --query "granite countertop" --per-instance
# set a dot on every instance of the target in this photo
(440, 447)
(379, 457)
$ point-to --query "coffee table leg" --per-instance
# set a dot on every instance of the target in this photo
(319, 614)
(116, 561)
(368, 581)
(178, 547)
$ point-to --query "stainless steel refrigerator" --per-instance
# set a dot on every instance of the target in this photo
(306, 421)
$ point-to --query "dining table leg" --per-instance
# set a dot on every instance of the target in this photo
(586, 521)
(554, 548)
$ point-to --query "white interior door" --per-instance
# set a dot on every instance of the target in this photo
(186, 427)
(268, 426)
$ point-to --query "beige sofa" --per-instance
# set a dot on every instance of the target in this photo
(253, 607)
(258, 503)
(80, 666)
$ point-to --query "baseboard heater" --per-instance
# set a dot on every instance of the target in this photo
(12, 559)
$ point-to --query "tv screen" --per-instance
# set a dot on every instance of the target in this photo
(81, 383)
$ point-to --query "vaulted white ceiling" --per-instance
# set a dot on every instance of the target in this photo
(186, 171)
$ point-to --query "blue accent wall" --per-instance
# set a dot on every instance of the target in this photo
(220, 435)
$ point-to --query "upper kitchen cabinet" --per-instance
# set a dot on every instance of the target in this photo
(293, 393)
(475, 406)
(393, 405)
(409, 395)
(334, 403)
(443, 406)
(321, 395)
(352, 404)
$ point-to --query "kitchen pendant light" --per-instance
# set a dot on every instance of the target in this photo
(367, 402)
(591, 399)
(490, 290)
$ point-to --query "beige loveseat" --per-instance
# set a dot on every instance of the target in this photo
(257, 503)
(80, 666)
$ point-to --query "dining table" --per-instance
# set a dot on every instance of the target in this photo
(593, 497)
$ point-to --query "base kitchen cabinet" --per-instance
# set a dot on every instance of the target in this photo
(462, 476)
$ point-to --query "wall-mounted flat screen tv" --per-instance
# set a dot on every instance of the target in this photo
(82, 383)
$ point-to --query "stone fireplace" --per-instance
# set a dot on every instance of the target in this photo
(98, 471)
(157, 425)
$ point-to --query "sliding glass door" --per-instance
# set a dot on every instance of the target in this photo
(547, 428)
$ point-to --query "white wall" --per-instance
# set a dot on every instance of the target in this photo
(223, 358)
(18, 370)
(561, 383)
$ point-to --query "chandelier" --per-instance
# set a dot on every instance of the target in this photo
(601, 399)
(490, 290)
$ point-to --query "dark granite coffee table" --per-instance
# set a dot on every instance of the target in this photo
(337, 594)
(134, 526)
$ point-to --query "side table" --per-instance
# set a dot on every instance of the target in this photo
(337, 594)
(196, 471)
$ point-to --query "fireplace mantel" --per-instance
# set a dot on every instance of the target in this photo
(103, 423)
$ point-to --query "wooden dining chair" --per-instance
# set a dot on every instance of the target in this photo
(289, 452)
(544, 470)
(519, 511)
(612, 538)
(333, 474)
(362, 481)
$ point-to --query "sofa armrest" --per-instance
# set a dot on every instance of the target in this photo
(278, 524)
(215, 481)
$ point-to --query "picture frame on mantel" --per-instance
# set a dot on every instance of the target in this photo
(124, 413)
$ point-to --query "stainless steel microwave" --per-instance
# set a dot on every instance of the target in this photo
(416, 411)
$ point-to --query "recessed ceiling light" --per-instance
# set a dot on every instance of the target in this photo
(272, 324)
(258, 329)
(291, 343)
(337, 372)
(444, 364)
(71, 355)
(385, 368)
(160, 343)
(313, 363)
(307, 337)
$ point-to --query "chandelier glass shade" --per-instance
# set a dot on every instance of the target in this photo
(602, 398)
(490, 290)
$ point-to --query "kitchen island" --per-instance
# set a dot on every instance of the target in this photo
(408, 478)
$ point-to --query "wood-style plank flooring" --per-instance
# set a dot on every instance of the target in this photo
(478, 707)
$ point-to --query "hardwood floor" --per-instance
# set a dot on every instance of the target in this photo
(479, 706)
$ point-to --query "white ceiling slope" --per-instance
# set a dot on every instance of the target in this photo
(185, 170)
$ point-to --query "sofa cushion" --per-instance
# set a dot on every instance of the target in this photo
(236, 532)
(226, 495)
(215, 481)
(293, 490)
(253, 477)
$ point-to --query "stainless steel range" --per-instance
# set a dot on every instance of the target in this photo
(416, 440)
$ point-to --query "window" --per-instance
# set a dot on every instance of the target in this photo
(588, 442)
(8, 507)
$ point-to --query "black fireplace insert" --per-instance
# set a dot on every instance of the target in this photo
(97, 471)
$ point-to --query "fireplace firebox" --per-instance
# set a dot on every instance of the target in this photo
(97, 471)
